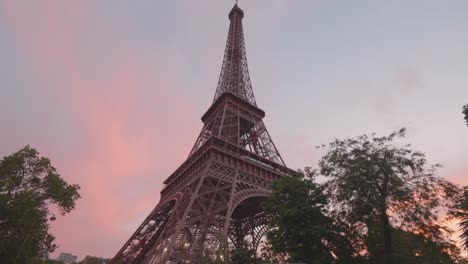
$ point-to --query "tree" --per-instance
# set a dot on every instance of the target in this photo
(465, 112)
(93, 260)
(464, 218)
(409, 248)
(243, 255)
(460, 212)
(374, 181)
(50, 261)
(303, 230)
(268, 256)
(29, 186)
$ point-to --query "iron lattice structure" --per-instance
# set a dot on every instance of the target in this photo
(211, 203)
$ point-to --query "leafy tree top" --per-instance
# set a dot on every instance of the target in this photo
(26, 172)
(29, 185)
(304, 231)
(369, 174)
(373, 179)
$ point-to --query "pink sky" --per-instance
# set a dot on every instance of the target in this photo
(113, 91)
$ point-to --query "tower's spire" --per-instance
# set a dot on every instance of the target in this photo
(234, 77)
(234, 116)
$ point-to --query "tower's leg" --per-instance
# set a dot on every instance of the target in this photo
(200, 228)
(220, 202)
(148, 232)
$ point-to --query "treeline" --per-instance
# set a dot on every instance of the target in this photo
(371, 200)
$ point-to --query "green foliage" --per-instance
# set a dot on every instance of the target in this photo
(28, 186)
(464, 219)
(465, 112)
(460, 212)
(409, 247)
(371, 179)
(304, 231)
(243, 255)
(268, 256)
(91, 260)
(50, 261)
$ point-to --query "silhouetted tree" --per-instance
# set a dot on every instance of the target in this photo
(373, 180)
(304, 231)
(410, 248)
(49, 261)
(28, 186)
(268, 256)
(465, 112)
(243, 255)
(464, 219)
(92, 260)
(460, 212)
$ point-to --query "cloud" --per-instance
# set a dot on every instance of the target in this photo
(122, 119)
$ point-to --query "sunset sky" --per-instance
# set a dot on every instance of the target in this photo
(113, 91)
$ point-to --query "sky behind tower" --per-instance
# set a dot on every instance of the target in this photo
(113, 91)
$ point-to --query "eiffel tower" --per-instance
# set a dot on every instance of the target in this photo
(212, 202)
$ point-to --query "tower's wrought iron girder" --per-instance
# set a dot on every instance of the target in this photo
(212, 201)
(234, 77)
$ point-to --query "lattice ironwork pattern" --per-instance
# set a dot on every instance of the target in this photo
(211, 203)
(147, 234)
(234, 77)
(239, 126)
(250, 228)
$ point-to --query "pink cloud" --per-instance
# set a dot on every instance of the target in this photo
(119, 148)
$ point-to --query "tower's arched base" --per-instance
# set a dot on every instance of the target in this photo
(216, 211)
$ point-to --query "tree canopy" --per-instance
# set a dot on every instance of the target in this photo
(464, 218)
(460, 212)
(29, 186)
(243, 255)
(380, 188)
(303, 230)
(92, 260)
